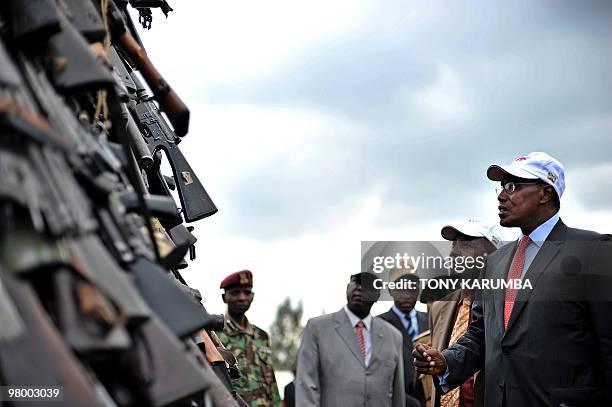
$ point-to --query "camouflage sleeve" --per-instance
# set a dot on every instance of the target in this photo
(240, 385)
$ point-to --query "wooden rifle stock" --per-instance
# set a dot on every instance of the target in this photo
(169, 102)
(86, 319)
(11, 107)
(232, 364)
(210, 350)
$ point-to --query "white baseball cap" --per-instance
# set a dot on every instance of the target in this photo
(474, 227)
(535, 165)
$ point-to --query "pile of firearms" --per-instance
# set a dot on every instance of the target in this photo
(91, 239)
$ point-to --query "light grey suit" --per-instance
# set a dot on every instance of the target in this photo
(331, 371)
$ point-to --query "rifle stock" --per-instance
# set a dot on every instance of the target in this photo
(85, 18)
(73, 65)
(30, 124)
(34, 190)
(13, 326)
(32, 21)
(9, 76)
(101, 332)
(39, 357)
(169, 373)
(91, 260)
(181, 314)
(195, 201)
(21, 116)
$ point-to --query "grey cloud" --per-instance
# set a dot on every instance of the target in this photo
(535, 74)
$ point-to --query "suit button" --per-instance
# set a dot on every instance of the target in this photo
(500, 387)
(506, 350)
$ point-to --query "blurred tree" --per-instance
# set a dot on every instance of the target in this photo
(285, 335)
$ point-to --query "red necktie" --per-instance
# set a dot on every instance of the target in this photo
(361, 339)
(516, 270)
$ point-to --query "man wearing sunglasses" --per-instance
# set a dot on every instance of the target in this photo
(550, 345)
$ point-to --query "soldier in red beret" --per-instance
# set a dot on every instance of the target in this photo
(250, 344)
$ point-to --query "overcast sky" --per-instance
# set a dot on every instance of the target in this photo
(316, 125)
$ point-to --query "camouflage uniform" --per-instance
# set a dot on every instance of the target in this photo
(251, 346)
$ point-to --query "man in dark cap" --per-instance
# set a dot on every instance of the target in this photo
(350, 358)
(250, 344)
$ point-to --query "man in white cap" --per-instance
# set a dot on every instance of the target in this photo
(550, 345)
(449, 317)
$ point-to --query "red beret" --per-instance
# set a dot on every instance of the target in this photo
(239, 278)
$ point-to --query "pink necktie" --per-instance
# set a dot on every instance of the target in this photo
(361, 339)
(516, 270)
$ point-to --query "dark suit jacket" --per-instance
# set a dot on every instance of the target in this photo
(441, 321)
(289, 396)
(557, 348)
(409, 372)
(423, 319)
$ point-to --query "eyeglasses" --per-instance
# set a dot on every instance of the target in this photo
(510, 187)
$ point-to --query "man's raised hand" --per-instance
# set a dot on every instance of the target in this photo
(428, 360)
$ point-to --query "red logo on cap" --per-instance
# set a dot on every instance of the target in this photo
(521, 159)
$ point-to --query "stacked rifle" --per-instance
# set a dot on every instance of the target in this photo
(91, 239)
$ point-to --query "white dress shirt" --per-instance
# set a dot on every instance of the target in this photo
(408, 320)
(538, 237)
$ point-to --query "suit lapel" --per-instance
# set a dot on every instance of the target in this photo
(348, 335)
(423, 322)
(447, 317)
(397, 322)
(499, 273)
(377, 339)
(547, 252)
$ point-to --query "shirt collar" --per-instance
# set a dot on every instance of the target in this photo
(539, 234)
(367, 321)
(400, 314)
(236, 328)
